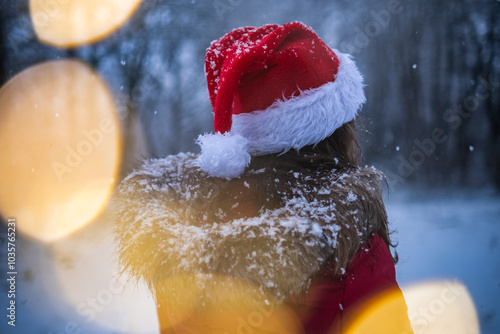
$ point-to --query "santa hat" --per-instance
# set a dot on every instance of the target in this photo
(272, 89)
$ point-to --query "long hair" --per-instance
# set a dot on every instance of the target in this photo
(337, 155)
(170, 200)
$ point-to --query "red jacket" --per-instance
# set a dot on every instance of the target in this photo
(228, 273)
(331, 304)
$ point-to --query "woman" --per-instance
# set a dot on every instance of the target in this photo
(273, 228)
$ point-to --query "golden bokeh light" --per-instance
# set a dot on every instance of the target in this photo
(441, 307)
(218, 304)
(69, 23)
(383, 314)
(61, 148)
(433, 308)
(80, 273)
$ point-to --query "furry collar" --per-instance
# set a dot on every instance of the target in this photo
(163, 230)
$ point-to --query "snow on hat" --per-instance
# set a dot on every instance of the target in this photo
(272, 89)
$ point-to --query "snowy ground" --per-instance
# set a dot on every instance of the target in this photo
(451, 235)
(71, 286)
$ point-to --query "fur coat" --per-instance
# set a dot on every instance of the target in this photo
(169, 227)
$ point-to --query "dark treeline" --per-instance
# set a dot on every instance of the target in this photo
(432, 74)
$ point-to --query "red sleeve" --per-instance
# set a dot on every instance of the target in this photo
(320, 306)
(371, 271)
(333, 301)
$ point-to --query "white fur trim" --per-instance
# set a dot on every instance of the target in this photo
(306, 119)
(223, 155)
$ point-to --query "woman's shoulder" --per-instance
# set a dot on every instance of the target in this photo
(366, 179)
(168, 168)
(336, 183)
(166, 176)
(361, 175)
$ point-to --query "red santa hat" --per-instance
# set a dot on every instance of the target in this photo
(272, 89)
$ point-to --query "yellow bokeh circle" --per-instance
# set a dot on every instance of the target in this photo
(61, 148)
(443, 306)
(69, 23)
(384, 313)
(427, 308)
(219, 304)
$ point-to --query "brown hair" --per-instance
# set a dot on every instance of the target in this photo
(339, 151)
(337, 155)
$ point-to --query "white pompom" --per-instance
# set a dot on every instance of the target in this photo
(223, 155)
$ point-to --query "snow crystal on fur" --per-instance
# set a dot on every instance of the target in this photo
(223, 155)
(163, 228)
(306, 119)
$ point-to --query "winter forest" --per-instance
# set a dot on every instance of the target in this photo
(427, 65)
(431, 123)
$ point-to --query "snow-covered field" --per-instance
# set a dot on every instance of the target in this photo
(451, 236)
(71, 286)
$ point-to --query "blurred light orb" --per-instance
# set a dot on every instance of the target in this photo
(441, 307)
(61, 148)
(70, 23)
(219, 304)
(80, 273)
(383, 314)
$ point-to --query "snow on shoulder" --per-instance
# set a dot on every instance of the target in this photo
(164, 228)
